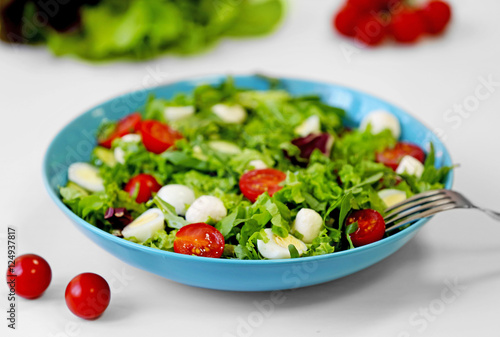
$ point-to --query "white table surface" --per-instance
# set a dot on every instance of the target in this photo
(445, 282)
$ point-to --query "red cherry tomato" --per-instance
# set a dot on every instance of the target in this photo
(199, 239)
(255, 182)
(392, 157)
(87, 295)
(436, 16)
(146, 183)
(370, 30)
(346, 19)
(126, 125)
(157, 136)
(368, 5)
(29, 275)
(371, 227)
(407, 26)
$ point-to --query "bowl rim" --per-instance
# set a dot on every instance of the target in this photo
(213, 79)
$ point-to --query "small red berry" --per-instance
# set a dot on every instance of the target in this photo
(29, 275)
(368, 5)
(346, 19)
(407, 26)
(370, 30)
(436, 15)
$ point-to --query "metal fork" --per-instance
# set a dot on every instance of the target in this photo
(426, 204)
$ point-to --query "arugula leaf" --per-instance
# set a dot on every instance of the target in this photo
(294, 253)
(345, 208)
(173, 220)
(351, 228)
(227, 225)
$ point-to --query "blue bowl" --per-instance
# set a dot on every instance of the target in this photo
(76, 141)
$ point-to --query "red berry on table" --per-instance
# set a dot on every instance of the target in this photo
(87, 295)
(345, 20)
(368, 5)
(407, 26)
(29, 275)
(370, 30)
(436, 15)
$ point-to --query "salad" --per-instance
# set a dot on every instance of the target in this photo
(226, 172)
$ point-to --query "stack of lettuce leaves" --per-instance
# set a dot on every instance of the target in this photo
(134, 29)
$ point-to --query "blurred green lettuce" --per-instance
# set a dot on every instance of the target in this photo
(143, 29)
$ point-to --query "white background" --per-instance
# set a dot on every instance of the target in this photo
(39, 94)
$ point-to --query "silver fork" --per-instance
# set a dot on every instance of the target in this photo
(426, 204)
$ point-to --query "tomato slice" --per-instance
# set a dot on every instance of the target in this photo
(371, 226)
(157, 136)
(146, 183)
(392, 157)
(199, 239)
(126, 125)
(254, 183)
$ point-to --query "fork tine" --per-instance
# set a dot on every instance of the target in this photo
(417, 199)
(415, 210)
(417, 206)
(421, 215)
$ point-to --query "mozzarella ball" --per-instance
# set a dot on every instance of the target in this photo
(204, 208)
(308, 223)
(178, 196)
(257, 164)
(411, 166)
(234, 114)
(119, 153)
(310, 125)
(381, 120)
(131, 138)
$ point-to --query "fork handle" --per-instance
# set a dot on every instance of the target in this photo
(494, 215)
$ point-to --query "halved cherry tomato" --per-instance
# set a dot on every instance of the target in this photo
(157, 136)
(199, 239)
(87, 295)
(146, 183)
(392, 157)
(126, 125)
(371, 226)
(255, 182)
(29, 275)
